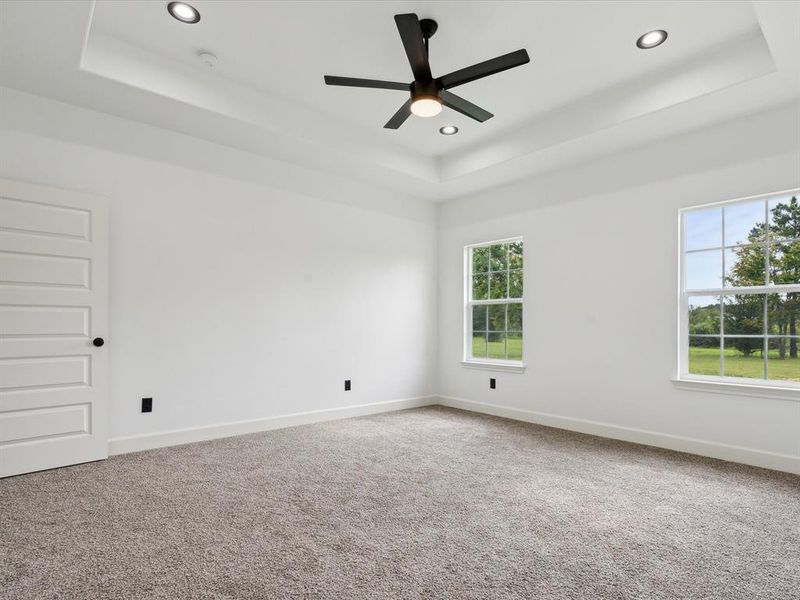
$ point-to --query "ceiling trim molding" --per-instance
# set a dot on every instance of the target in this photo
(70, 63)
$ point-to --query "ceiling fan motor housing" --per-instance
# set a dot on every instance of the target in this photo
(425, 89)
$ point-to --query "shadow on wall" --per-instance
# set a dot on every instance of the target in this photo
(767, 134)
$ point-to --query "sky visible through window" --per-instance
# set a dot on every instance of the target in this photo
(703, 239)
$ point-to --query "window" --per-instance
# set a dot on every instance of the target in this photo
(740, 291)
(493, 327)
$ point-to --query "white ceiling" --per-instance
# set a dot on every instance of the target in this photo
(586, 78)
(285, 48)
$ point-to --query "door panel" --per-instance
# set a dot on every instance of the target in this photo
(44, 321)
(26, 216)
(37, 373)
(53, 302)
(35, 423)
(17, 268)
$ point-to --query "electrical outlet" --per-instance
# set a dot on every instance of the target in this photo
(147, 405)
(492, 383)
(346, 385)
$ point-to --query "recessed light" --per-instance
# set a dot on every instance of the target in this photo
(426, 107)
(651, 39)
(183, 12)
(448, 130)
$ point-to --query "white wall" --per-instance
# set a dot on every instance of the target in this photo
(233, 301)
(600, 314)
(244, 288)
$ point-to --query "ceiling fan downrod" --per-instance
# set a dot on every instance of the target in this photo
(429, 27)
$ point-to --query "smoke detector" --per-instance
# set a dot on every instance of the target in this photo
(209, 59)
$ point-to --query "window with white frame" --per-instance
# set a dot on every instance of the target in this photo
(494, 301)
(740, 291)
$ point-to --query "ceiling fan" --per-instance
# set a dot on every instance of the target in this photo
(428, 95)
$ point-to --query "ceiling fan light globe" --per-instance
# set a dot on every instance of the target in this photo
(426, 107)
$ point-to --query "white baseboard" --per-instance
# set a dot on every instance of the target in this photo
(748, 456)
(148, 441)
(738, 454)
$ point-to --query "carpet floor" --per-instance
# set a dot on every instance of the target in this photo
(423, 503)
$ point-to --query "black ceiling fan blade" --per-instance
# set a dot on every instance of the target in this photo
(411, 34)
(400, 116)
(484, 69)
(465, 107)
(366, 83)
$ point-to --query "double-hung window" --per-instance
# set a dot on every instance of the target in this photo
(740, 291)
(494, 292)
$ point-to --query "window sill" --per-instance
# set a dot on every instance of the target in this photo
(738, 389)
(499, 365)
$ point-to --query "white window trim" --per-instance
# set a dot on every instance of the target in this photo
(488, 364)
(765, 388)
(736, 386)
(506, 366)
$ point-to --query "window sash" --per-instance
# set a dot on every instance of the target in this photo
(470, 302)
(769, 240)
(743, 291)
(721, 291)
(495, 301)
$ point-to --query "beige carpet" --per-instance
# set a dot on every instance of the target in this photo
(425, 503)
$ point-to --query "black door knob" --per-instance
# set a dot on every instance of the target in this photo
(98, 342)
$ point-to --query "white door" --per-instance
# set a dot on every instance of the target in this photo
(53, 304)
